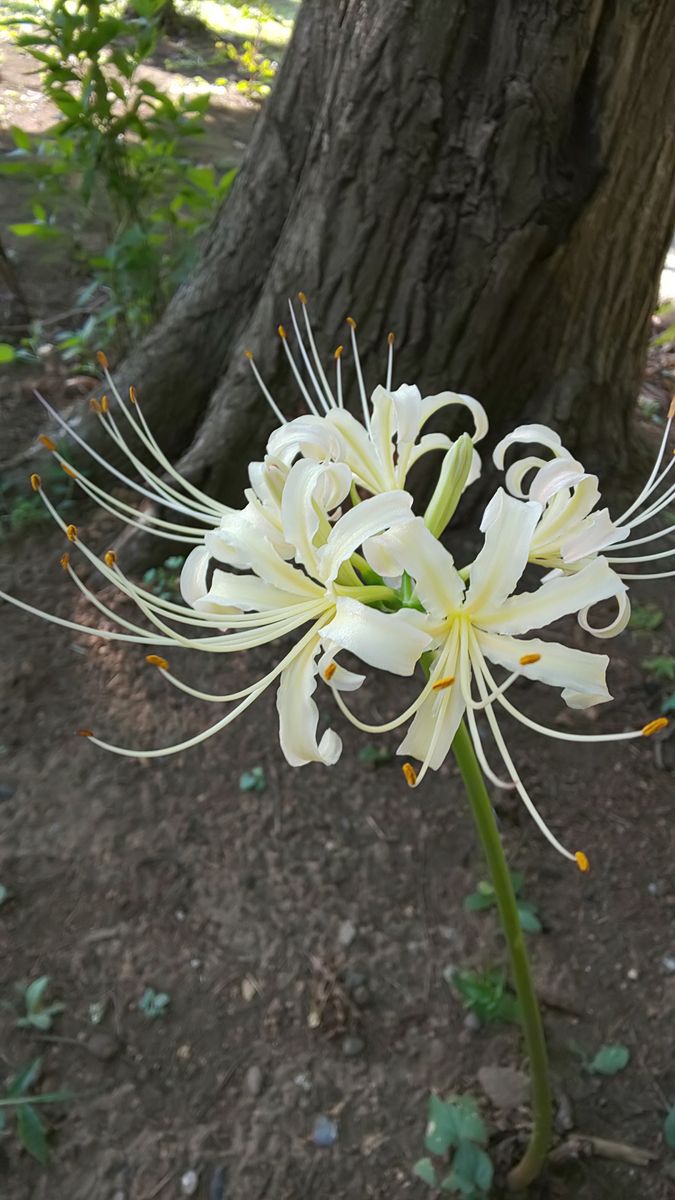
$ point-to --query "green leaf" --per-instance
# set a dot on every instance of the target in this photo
(477, 902)
(24, 1081)
(424, 1169)
(609, 1060)
(669, 1128)
(375, 756)
(32, 229)
(7, 355)
(35, 992)
(253, 780)
(21, 138)
(471, 1171)
(451, 1121)
(32, 1133)
(529, 921)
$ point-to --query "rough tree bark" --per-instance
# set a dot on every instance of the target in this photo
(493, 181)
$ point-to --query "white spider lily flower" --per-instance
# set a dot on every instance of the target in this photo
(270, 600)
(571, 529)
(483, 623)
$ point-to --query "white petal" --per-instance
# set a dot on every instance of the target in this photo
(389, 641)
(516, 473)
(357, 449)
(540, 435)
(340, 678)
(382, 434)
(372, 516)
(555, 598)
(312, 491)
(428, 443)
(194, 573)
(312, 437)
(594, 534)
(509, 526)
(407, 402)
(436, 721)
(299, 715)
(581, 675)
(553, 477)
(246, 593)
(247, 548)
(432, 404)
(411, 547)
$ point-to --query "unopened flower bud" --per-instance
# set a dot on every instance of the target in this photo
(451, 483)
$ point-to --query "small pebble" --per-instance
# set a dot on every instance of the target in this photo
(472, 1022)
(103, 1046)
(303, 1081)
(254, 1081)
(352, 1046)
(362, 995)
(346, 934)
(325, 1132)
(189, 1182)
(657, 888)
(633, 973)
(119, 1196)
(668, 963)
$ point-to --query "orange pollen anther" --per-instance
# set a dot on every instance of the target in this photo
(102, 360)
(330, 671)
(132, 394)
(65, 560)
(351, 322)
(46, 442)
(94, 405)
(582, 861)
(654, 726)
(68, 470)
(391, 338)
(71, 533)
(156, 660)
(35, 482)
(446, 682)
(302, 297)
(282, 332)
(339, 352)
(110, 558)
(104, 404)
(83, 733)
(410, 774)
(249, 355)
(527, 659)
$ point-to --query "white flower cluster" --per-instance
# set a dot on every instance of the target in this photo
(329, 550)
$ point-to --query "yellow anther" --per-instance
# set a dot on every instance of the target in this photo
(410, 774)
(528, 659)
(249, 355)
(302, 297)
(339, 352)
(110, 558)
(351, 322)
(94, 405)
(35, 482)
(83, 733)
(446, 682)
(391, 338)
(671, 410)
(132, 395)
(68, 470)
(156, 660)
(102, 360)
(330, 671)
(46, 442)
(104, 404)
(282, 332)
(654, 726)
(65, 560)
(71, 533)
(582, 861)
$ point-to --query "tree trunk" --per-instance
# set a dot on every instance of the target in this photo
(493, 181)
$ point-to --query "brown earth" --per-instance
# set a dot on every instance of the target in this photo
(132, 874)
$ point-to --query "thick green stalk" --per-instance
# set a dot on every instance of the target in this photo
(533, 1160)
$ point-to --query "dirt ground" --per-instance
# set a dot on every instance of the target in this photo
(252, 908)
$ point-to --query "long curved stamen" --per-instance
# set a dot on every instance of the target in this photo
(648, 487)
(248, 355)
(638, 558)
(149, 523)
(321, 393)
(147, 439)
(107, 635)
(388, 725)
(359, 373)
(223, 722)
(294, 368)
(465, 683)
(338, 375)
(669, 530)
(391, 338)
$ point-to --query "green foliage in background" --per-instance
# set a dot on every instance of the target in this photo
(113, 160)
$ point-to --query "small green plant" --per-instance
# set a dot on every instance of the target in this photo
(20, 513)
(154, 1004)
(164, 581)
(375, 756)
(454, 1126)
(661, 667)
(253, 780)
(645, 617)
(30, 1128)
(609, 1059)
(39, 1013)
(484, 897)
(486, 994)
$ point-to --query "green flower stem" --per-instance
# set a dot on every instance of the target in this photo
(533, 1160)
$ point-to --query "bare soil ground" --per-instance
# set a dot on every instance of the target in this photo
(253, 908)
